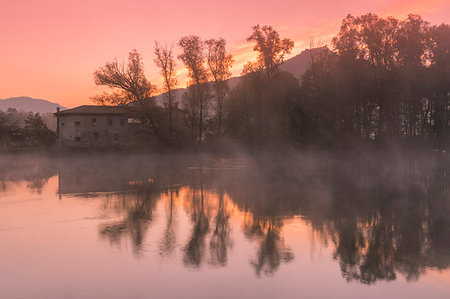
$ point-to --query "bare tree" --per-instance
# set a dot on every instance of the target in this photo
(193, 58)
(219, 64)
(128, 84)
(272, 49)
(166, 62)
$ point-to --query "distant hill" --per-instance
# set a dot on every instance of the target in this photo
(296, 65)
(28, 104)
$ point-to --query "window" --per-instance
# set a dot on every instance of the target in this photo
(95, 136)
(77, 138)
(110, 122)
(94, 122)
(122, 122)
(116, 137)
(77, 123)
(134, 121)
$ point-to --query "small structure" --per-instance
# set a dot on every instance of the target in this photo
(91, 125)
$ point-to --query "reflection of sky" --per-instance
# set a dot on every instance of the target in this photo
(50, 48)
(51, 247)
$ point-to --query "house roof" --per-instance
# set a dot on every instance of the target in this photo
(94, 109)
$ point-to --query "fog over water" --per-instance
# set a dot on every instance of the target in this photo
(268, 225)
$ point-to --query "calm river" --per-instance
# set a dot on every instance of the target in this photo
(322, 225)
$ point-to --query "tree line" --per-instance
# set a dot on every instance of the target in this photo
(382, 79)
(383, 216)
(19, 129)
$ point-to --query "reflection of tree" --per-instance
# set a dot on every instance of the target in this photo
(139, 208)
(36, 170)
(167, 244)
(194, 249)
(383, 216)
(37, 183)
(367, 260)
(272, 251)
(388, 225)
(220, 239)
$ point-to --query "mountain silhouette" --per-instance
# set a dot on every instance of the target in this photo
(28, 104)
(296, 65)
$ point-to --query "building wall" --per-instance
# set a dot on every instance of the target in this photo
(106, 130)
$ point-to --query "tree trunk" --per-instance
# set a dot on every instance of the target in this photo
(170, 114)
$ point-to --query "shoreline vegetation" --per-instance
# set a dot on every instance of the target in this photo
(383, 83)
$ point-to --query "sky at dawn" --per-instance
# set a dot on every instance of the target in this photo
(49, 49)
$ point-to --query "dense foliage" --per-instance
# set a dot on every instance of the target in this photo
(384, 79)
(18, 129)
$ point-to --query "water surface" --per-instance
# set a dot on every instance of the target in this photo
(313, 225)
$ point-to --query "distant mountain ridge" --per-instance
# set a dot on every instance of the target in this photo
(28, 104)
(296, 65)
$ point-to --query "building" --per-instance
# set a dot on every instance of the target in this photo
(90, 125)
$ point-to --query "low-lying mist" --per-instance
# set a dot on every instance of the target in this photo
(385, 212)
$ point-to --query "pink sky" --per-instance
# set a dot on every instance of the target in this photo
(50, 48)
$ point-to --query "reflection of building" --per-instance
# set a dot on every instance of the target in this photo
(84, 180)
(90, 125)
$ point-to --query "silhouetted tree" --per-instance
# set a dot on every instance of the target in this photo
(272, 50)
(439, 59)
(129, 87)
(219, 64)
(259, 108)
(193, 57)
(380, 82)
(166, 62)
(37, 131)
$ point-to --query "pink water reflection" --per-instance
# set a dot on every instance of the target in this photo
(178, 240)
